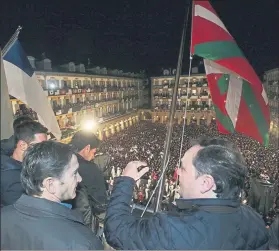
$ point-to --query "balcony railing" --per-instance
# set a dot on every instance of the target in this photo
(87, 89)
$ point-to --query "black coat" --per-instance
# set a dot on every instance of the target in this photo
(35, 223)
(8, 146)
(242, 228)
(274, 234)
(11, 188)
(91, 192)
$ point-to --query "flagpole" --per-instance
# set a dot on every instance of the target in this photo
(186, 105)
(172, 111)
(11, 41)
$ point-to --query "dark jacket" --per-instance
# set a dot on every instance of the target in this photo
(91, 195)
(8, 146)
(35, 223)
(234, 227)
(11, 188)
(274, 234)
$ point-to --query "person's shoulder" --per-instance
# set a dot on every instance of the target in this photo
(168, 218)
(7, 146)
(249, 211)
(95, 166)
(83, 162)
(8, 163)
(250, 215)
(7, 209)
(8, 214)
(84, 236)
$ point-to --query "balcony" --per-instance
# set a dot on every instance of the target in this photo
(191, 107)
(162, 95)
(79, 106)
(87, 89)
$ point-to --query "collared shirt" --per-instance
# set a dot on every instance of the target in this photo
(66, 205)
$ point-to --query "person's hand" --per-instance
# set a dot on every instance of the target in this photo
(132, 170)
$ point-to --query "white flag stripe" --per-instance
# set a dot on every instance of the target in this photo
(210, 16)
(28, 90)
(264, 96)
(234, 90)
(233, 98)
(214, 68)
(6, 106)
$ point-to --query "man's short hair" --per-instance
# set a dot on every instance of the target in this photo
(27, 131)
(21, 119)
(43, 160)
(209, 141)
(227, 168)
(83, 138)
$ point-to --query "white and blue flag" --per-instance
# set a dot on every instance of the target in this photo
(6, 106)
(23, 85)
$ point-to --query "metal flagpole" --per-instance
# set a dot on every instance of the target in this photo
(11, 41)
(172, 111)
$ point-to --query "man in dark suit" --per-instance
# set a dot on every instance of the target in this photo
(39, 220)
(91, 196)
(26, 134)
(8, 145)
(208, 216)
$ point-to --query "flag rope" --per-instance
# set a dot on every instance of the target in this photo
(184, 117)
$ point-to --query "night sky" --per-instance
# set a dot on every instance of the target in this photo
(133, 35)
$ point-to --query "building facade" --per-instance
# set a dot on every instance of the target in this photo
(271, 83)
(196, 97)
(77, 94)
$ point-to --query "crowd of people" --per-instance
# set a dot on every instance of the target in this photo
(145, 142)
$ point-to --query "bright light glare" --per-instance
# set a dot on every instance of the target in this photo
(88, 125)
(52, 86)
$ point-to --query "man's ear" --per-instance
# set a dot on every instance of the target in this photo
(22, 145)
(48, 184)
(207, 183)
(88, 148)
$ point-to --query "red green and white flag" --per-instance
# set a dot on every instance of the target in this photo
(238, 95)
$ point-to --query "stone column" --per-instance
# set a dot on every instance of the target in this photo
(100, 134)
(208, 120)
(75, 118)
(101, 111)
(188, 119)
(180, 119)
(107, 132)
(112, 130)
(198, 120)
